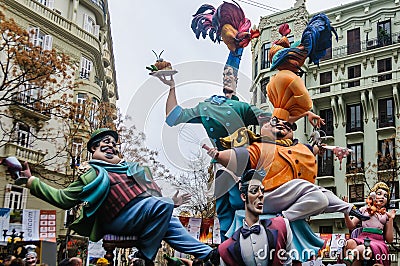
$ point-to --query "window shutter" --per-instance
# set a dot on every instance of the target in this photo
(50, 4)
(86, 23)
(7, 195)
(96, 30)
(34, 35)
(24, 198)
(48, 42)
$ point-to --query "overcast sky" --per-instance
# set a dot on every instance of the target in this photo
(138, 27)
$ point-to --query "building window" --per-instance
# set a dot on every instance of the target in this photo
(384, 33)
(354, 118)
(386, 154)
(354, 161)
(23, 135)
(386, 113)
(89, 25)
(394, 194)
(86, 68)
(352, 73)
(40, 39)
(47, 3)
(332, 189)
(356, 193)
(255, 67)
(325, 229)
(76, 152)
(325, 78)
(15, 197)
(385, 65)
(353, 41)
(328, 54)
(265, 55)
(81, 104)
(327, 115)
(325, 164)
(264, 84)
(94, 112)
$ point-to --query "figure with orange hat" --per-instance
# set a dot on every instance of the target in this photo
(222, 115)
(290, 166)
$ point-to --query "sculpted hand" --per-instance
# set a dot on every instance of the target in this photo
(181, 199)
(170, 82)
(315, 120)
(212, 152)
(24, 175)
(15, 169)
(391, 214)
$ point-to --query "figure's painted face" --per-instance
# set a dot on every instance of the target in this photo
(381, 197)
(30, 259)
(229, 82)
(277, 129)
(107, 150)
(255, 197)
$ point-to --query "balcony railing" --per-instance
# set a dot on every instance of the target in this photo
(32, 103)
(391, 77)
(366, 45)
(54, 17)
(385, 120)
(355, 168)
(354, 126)
(24, 153)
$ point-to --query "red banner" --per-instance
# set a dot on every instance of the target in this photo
(47, 225)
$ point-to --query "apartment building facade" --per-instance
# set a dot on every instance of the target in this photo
(355, 89)
(81, 30)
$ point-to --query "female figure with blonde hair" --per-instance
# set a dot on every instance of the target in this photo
(378, 229)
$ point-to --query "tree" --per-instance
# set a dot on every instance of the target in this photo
(196, 182)
(36, 97)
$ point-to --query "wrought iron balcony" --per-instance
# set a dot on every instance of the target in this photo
(366, 45)
(32, 106)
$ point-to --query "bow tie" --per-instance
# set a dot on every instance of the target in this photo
(254, 229)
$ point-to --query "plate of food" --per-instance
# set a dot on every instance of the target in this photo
(161, 67)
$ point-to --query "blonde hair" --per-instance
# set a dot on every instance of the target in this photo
(380, 185)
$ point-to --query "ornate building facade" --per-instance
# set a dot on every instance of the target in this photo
(81, 30)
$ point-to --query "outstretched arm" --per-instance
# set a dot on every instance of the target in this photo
(350, 223)
(171, 99)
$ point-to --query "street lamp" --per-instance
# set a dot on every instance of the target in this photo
(367, 251)
(13, 235)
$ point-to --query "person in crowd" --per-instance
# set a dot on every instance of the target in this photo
(31, 255)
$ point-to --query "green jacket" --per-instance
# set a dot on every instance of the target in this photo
(86, 225)
(219, 116)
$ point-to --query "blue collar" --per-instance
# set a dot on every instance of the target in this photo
(216, 99)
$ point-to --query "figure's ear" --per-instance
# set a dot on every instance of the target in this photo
(243, 197)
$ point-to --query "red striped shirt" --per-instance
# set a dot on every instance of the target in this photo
(123, 189)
